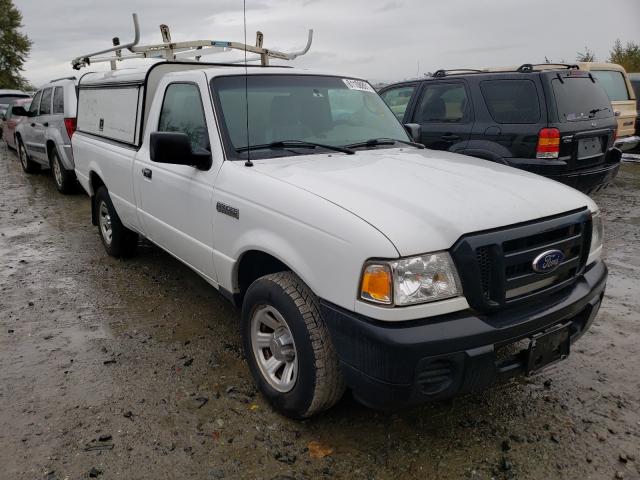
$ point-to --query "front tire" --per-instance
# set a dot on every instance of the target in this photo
(117, 239)
(65, 179)
(28, 165)
(288, 346)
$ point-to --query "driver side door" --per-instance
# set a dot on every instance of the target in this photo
(175, 201)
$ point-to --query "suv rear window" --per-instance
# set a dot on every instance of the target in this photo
(58, 101)
(511, 101)
(579, 98)
(613, 83)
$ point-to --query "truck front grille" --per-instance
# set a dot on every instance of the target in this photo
(496, 266)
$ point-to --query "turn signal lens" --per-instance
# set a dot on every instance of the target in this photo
(548, 143)
(376, 284)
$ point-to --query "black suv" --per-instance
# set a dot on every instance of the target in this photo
(557, 123)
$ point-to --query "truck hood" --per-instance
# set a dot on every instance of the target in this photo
(425, 200)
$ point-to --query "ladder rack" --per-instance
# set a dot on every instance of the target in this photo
(188, 50)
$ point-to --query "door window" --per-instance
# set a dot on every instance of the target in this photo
(182, 111)
(443, 103)
(36, 103)
(58, 101)
(511, 101)
(398, 99)
(45, 105)
(613, 83)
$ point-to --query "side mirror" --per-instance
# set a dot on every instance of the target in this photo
(175, 148)
(20, 112)
(414, 130)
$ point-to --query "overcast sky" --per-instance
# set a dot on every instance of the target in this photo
(383, 40)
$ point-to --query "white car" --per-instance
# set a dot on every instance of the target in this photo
(360, 259)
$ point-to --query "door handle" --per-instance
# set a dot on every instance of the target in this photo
(450, 138)
(147, 173)
(45, 124)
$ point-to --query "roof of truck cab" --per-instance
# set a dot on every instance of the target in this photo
(139, 75)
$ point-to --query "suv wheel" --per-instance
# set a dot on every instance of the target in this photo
(28, 165)
(288, 346)
(65, 179)
(117, 239)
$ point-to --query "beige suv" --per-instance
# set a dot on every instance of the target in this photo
(615, 81)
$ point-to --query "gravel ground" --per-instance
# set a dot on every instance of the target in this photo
(133, 369)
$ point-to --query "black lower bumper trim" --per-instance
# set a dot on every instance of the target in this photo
(403, 363)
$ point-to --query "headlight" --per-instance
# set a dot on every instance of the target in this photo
(597, 233)
(407, 281)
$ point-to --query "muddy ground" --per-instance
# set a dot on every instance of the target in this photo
(145, 355)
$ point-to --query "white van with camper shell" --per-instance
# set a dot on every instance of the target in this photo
(359, 258)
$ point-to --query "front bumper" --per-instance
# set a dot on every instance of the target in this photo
(388, 365)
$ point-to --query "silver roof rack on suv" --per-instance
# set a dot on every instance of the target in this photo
(529, 67)
(454, 71)
(188, 50)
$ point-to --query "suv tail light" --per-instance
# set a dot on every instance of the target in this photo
(548, 143)
(70, 125)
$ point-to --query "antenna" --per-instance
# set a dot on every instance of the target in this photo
(248, 163)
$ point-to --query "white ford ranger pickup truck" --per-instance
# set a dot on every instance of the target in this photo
(359, 259)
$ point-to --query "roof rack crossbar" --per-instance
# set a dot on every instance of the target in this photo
(193, 49)
(444, 73)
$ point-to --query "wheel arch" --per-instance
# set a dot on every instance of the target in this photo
(95, 182)
(251, 265)
(50, 146)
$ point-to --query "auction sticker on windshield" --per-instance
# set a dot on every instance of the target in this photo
(358, 85)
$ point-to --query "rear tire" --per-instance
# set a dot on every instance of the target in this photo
(28, 165)
(65, 179)
(286, 302)
(117, 239)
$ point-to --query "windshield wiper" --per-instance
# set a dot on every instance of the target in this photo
(374, 142)
(295, 144)
(592, 113)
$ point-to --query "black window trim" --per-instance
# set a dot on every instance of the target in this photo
(204, 115)
(448, 81)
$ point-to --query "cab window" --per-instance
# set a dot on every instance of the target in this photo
(45, 104)
(182, 111)
(398, 99)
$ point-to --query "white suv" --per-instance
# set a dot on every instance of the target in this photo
(44, 138)
(359, 258)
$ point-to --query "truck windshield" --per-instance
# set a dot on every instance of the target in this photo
(285, 109)
(579, 98)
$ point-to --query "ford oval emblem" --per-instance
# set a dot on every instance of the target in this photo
(547, 261)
